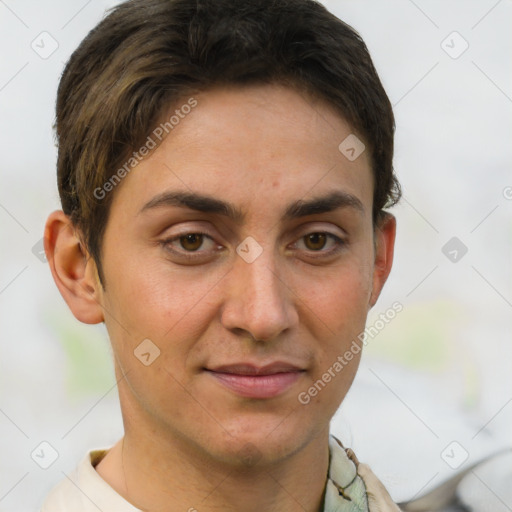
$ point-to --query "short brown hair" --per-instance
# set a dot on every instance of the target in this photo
(146, 55)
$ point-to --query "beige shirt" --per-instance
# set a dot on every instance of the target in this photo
(351, 487)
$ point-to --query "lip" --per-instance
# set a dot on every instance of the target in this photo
(252, 381)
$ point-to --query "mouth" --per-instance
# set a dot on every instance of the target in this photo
(252, 381)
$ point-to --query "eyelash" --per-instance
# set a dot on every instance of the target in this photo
(193, 255)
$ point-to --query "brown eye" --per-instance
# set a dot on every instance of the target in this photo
(315, 241)
(191, 242)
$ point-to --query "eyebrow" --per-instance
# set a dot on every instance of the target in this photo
(323, 204)
(297, 209)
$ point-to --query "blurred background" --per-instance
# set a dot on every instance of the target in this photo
(434, 391)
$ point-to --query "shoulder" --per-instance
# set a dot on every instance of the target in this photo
(355, 479)
(67, 495)
(84, 490)
(379, 499)
(62, 498)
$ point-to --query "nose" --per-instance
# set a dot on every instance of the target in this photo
(258, 300)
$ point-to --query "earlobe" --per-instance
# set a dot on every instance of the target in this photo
(385, 233)
(73, 270)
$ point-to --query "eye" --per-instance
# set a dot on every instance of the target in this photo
(315, 241)
(188, 245)
(318, 240)
(192, 241)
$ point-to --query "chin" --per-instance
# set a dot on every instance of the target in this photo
(260, 445)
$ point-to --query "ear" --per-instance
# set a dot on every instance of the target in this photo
(384, 242)
(73, 270)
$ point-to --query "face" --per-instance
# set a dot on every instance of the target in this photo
(243, 249)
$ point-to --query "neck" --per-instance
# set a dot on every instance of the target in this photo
(163, 474)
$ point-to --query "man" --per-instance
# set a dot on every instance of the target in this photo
(223, 169)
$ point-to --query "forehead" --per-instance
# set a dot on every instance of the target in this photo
(259, 146)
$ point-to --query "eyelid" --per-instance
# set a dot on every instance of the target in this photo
(330, 228)
(188, 231)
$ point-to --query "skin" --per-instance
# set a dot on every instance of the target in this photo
(186, 435)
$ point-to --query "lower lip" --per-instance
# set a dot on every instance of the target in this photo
(258, 386)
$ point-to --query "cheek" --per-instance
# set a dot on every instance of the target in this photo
(172, 310)
(341, 296)
(152, 297)
(337, 315)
